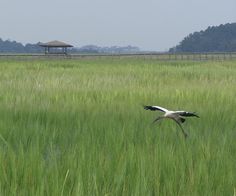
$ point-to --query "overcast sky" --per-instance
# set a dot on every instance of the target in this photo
(148, 24)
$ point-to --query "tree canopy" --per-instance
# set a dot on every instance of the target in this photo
(220, 38)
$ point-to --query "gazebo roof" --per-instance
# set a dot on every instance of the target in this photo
(55, 43)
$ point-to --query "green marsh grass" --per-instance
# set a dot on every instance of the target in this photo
(79, 128)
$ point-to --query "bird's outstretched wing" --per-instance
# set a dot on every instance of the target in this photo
(154, 108)
(186, 114)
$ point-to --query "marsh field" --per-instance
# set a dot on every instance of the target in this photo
(78, 127)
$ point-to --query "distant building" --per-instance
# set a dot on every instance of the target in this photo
(55, 47)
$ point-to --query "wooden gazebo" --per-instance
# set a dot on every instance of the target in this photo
(57, 47)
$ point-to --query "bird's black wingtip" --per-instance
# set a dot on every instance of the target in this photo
(196, 115)
(146, 107)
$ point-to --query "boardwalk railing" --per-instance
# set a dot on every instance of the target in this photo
(158, 56)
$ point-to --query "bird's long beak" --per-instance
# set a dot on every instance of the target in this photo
(157, 119)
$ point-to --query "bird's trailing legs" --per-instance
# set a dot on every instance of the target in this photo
(185, 134)
(162, 117)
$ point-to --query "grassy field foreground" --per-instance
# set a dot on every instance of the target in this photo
(79, 128)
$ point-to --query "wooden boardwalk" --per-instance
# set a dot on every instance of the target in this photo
(156, 56)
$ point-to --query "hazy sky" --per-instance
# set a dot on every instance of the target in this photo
(148, 24)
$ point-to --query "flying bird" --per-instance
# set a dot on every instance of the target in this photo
(177, 116)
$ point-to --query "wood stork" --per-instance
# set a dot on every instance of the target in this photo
(177, 116)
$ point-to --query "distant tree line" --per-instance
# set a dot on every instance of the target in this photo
(214, 39)
(109, 50)
(8, 46)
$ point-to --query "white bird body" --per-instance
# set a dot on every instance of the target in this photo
(177, 116)
(168, 113)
